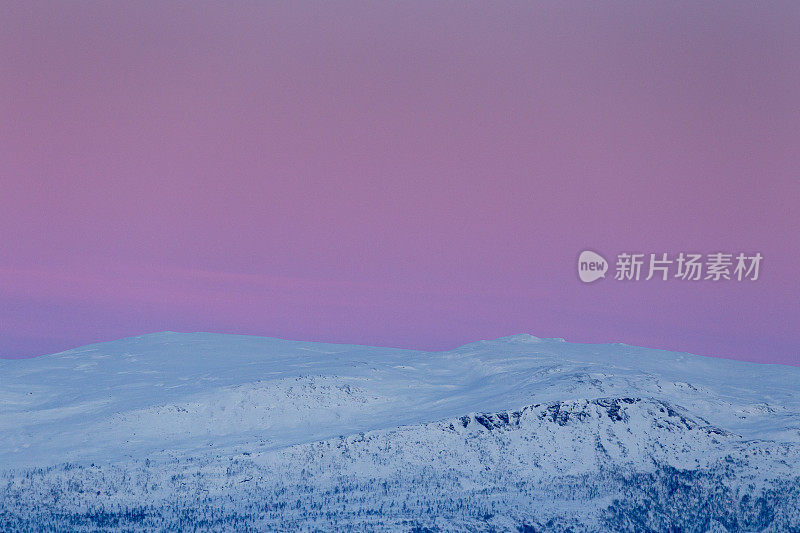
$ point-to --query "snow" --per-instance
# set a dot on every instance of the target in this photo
(517, 411)
(160, 391)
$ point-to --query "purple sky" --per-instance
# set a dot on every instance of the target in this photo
(401, 174)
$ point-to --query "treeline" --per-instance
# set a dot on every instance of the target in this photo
(243, 496)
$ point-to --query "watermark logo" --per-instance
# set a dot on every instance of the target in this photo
(591, 266)
(685, 266)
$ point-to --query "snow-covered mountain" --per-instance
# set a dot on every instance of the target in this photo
(183, 431)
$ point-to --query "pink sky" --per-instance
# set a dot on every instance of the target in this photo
(405, 174)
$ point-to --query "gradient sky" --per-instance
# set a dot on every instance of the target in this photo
(407, 174)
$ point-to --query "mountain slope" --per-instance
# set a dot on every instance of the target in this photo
(170, 430)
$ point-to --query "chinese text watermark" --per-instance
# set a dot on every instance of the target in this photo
(630, 266)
